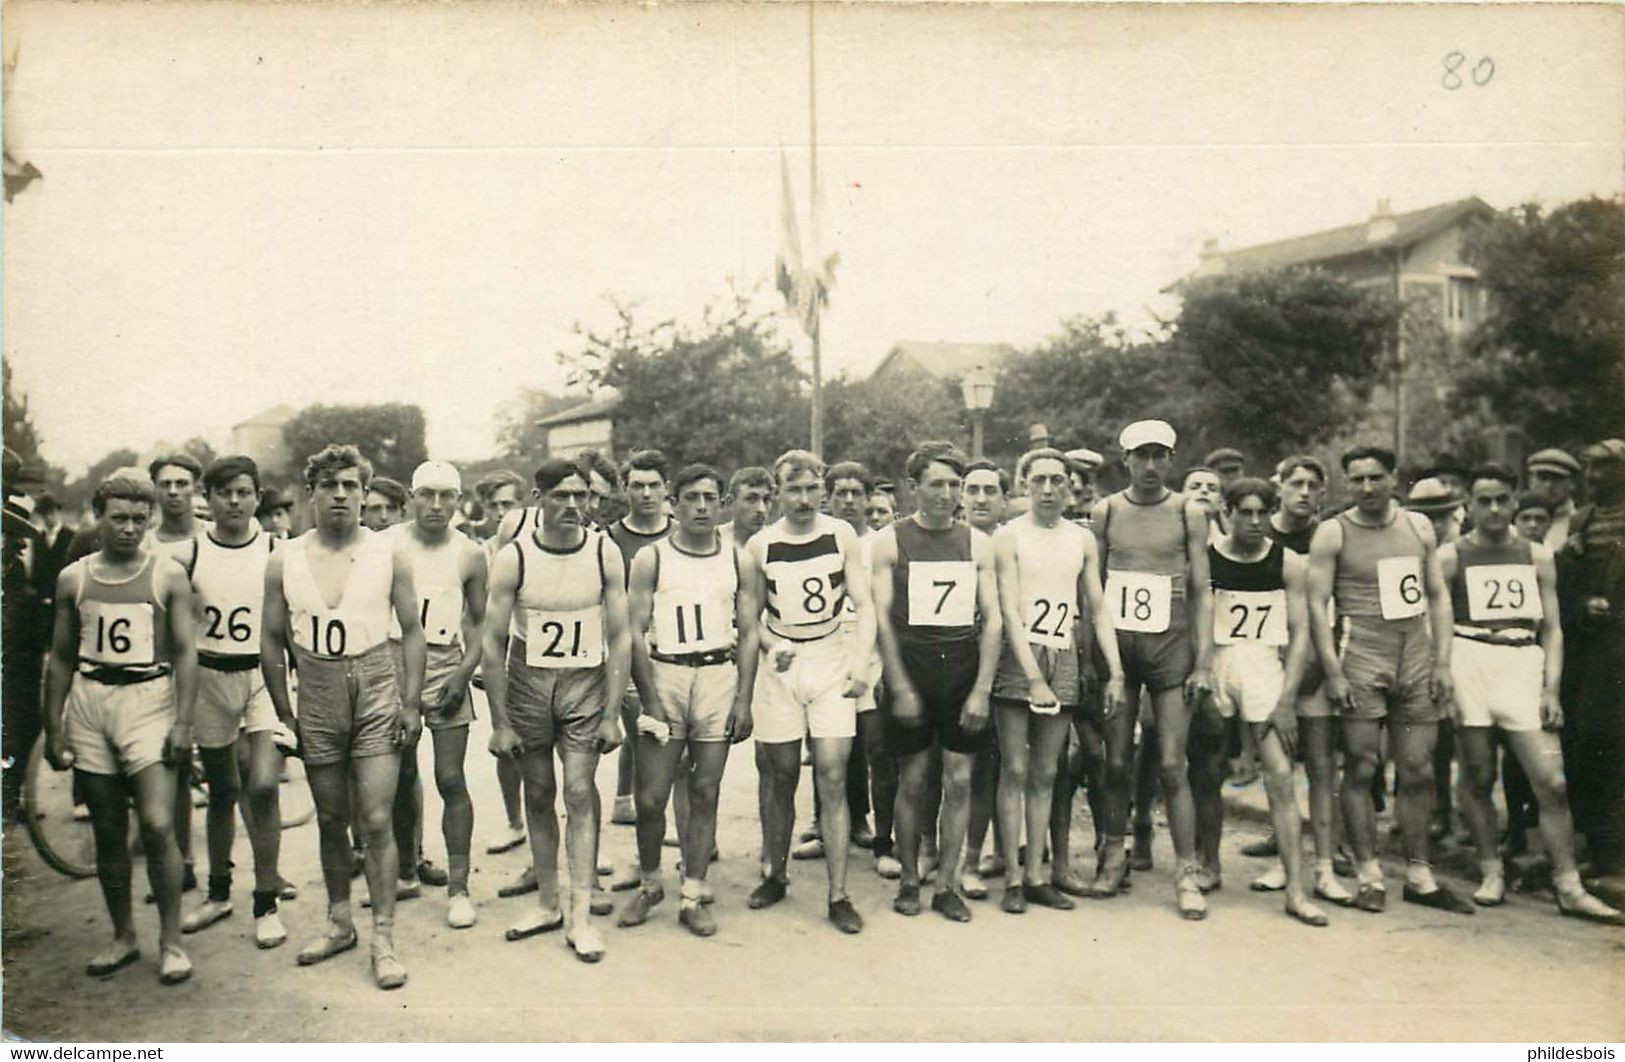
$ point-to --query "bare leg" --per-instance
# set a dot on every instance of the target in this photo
(704, 783)
(829, 775)
(457, 813)
(778, 767)
(955, 812)
(110, 820)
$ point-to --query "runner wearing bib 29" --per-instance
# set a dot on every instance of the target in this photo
(1157, 588)
(1507, 663)
(557, 651)
(1381, 564)
(940, 627)
(1049, 578)
(329, 598)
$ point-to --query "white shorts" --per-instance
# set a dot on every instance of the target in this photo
(805, 700)
(1497, 685)
(229, 702)
(1248, 677)
(117, 730)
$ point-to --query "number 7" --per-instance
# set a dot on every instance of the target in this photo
(947, 586)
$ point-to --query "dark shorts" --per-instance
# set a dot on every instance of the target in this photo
(349, 707)
(1389, 667)
(943, 676)
(554, 706)
(1161, 661)
(1058, 666)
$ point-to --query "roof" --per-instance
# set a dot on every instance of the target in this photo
(946, 361)
(274, 417)
(1406, 229)
(602, 406)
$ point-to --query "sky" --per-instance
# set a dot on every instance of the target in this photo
(247, 204)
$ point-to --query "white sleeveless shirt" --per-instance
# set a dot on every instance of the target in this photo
(360, 621)
(694, 599)
(230, 585)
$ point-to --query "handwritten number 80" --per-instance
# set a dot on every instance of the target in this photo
(1481, 73)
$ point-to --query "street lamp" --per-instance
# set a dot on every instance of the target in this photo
(978, 387)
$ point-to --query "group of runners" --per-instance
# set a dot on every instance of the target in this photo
(960, 669)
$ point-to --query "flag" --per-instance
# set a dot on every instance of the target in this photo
(805, 285)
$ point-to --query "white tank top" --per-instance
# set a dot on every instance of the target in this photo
(558, 610)
(806, 578)
(694, 600)
(360, 621)
(1049, 561)
(230, 585)
(437, 576)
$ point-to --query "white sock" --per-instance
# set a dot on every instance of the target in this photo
(1419, 876)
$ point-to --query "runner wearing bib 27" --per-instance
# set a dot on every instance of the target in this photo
(1261, 627)
(1049, 573)
(449, 575)
(120, 686)
(329, 596)
(937, 608)
(1381, 565)
(694, 659)
(1507, 662)
(803, 567)
(557, 650)
(1157, 588)
(236, 720)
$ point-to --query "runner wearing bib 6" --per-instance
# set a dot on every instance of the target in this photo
(556, 650)
(1507, 662)
(803, 567)
(329, 597)
(1157, 588)
(120, 688)
(1381, 565)
(236, 720)
(940, 628)
(1049, 574)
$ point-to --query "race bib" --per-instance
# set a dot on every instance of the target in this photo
(804, 592)
(329, 633)
(1502, 592)
(564, 639)
(689, 626)
(442, 616)
(941, 593)
(1050, 620)
(1249, 616)
(1399, 587)
(117, 635)
(1140, 601)
(232, 631)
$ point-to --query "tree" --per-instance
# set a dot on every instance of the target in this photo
(390, 435)
(1549, 355)
(728, 393)
(880, 421)
(1279, 360)
(20, 433)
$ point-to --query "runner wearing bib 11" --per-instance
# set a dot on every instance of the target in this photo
(557, 650)
(1381, 565)
(1049, 578)
(1507, 662)
(329, 597)
(1157, 588)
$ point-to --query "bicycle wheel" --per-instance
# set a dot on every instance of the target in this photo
(294, 797)
(66, 844)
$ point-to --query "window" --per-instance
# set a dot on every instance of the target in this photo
(1461, 302)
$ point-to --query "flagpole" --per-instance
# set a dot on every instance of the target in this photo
(812, 234)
